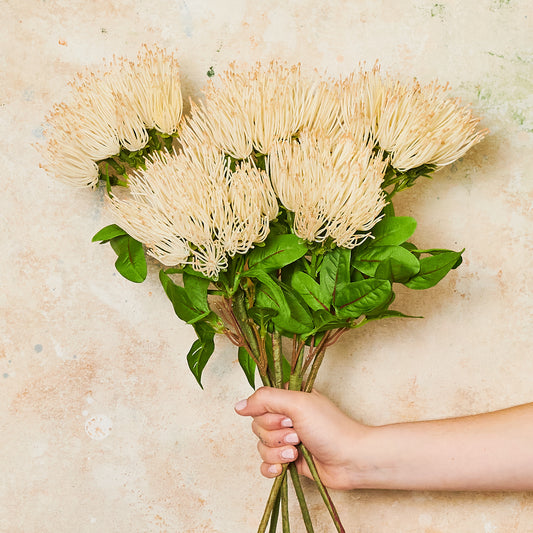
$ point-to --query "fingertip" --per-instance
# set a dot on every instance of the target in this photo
(286, 423)
(241, 405)
(271, 470)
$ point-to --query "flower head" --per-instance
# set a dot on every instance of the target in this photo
(109, 108)
(247, 110)
(331, 184)
(190, 207)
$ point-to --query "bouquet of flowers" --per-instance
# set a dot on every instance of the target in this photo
(269, 205)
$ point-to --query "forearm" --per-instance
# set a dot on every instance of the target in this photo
(492, 451)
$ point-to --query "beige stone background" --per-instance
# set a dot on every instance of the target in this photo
(102, 427)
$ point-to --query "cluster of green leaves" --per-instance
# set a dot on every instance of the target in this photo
(114, 170)
(297, 288)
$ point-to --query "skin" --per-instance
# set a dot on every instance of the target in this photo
(490, 451)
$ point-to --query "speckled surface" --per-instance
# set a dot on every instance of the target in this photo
(103, 429)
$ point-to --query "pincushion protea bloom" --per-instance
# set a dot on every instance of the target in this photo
(416, 124)
(110, 108)
(249, 110)
(332, 184)
(190, 207)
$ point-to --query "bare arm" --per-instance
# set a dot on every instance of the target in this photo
(491, 451)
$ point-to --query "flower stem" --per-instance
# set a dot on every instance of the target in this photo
(321, 488)
(269, 508)
(285, 505)
(301, 498)
(276, 355)
(275, 515)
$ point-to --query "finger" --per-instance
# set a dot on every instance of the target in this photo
(270, 421)
(270, 471)
(275, 438)
(269, 400)
(283, 454)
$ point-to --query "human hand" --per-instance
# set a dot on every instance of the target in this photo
(283, 418)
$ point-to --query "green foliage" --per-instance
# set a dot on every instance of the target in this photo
(187, 305)
(131, 260)
(434, 268)
(360, 297)
(278, 252)
(201, 350)
(394, 263)
(314, 295)
(248, 366)
(391, 230)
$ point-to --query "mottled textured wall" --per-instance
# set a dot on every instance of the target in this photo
(102, 427)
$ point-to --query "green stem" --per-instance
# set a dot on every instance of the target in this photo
(319, 357)
(295, 381)
(321, 488)
(301, 498)
(276, 354)
(269, 507)
(275, 515)
(285, 505)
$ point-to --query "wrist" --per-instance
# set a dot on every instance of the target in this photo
(371, 464)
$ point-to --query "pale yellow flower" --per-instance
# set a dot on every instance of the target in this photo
(422, 125)
(332, 184)
(189, 207)
(110, 107)
(251, 109)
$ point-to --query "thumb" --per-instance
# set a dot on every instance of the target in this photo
(270, 400)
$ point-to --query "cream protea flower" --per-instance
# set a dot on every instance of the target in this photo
(421, 125)
(191, 208)
(247, 110)
(331, 184)
(110, 107)
(361, 96)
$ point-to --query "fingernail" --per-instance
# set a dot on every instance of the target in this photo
(274, 469)
(292, 438)
(286, 423)
(239, 406)
(288, 453)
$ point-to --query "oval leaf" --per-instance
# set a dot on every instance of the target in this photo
(335, 270)
(433, 269)
(183, 307)
(315, 296)
(201, 350)
(360, 297)
(278, 251)
(108, 233)
(392, 231)
(394, 263)
(131, 261)
(248, 366)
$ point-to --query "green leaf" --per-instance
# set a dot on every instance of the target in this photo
(108, 233)
(324, 320)
(433, 269)
(183, 306)
(275, 290)
(248, 365)
(335, 270)
(394, 263)
(261, 315)
(361, 297)
(392, 231)
(389, 313)
(315, 296)
(201, 350)
(196, 289)
(438, 251)
(294, 319)
(278, 251)
(131, 261)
